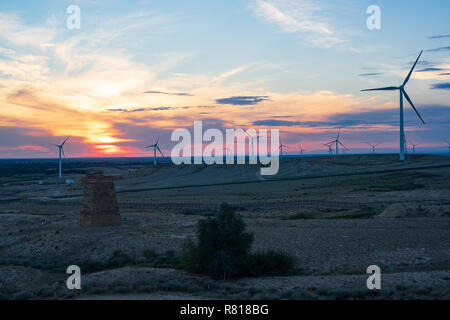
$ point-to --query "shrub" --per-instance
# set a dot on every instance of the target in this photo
(223, 247)
(272, 262)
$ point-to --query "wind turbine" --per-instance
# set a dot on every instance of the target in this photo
(448, 146)
(301, 149)
(401, 88)
(373, 147)
(338, 142)
(330, 150)
(414, 145)
(61, 151)
(228, 150)
(281, 148)
(252, 140)
(155, 147)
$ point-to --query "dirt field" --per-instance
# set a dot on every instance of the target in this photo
(334, 215)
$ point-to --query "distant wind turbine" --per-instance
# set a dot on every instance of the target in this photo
(61, 152)
(228, 150)
(338, 142)
(252, 142)
(301, 149)
(448, 146)
(281, 148)
(373, 147)
(330, 150)
(155, 147)
(401, 88)
(414, 145)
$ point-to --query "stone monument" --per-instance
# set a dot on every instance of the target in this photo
(99, 205)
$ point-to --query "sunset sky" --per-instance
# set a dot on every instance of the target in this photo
(139, 69)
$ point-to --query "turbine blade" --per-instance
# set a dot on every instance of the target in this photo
(411, 71)
(65, 141)
(160, 151)
(62, 149)
(412, 105)
(382, 89)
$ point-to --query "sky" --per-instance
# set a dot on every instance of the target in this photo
(136, 70)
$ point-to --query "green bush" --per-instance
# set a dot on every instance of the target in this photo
(223, 247)
(272, 262)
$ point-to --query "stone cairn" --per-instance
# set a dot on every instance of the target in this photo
(99, 205)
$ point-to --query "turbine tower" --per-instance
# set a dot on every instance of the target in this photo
(338, 142)
(373, 147)
(155, 147)
(61, 152)
(403, 93)
(228, 152)
(414, 145)
(330, 150)
(252, 140)
(281, 149)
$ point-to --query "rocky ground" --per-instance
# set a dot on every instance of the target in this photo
(403, 226)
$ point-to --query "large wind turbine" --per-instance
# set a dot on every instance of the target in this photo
(338, 142)
(373, 147)
(155, 147)
(61, 152)
(401, 88)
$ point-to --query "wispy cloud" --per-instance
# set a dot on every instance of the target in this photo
(14, 32)
(369, 74)
(430, 69)
(439, 36)
(170, 93)
(437, 113)
(300, 17)
(442, 86)
(438, 49)
(242, 100)
(231, 72)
